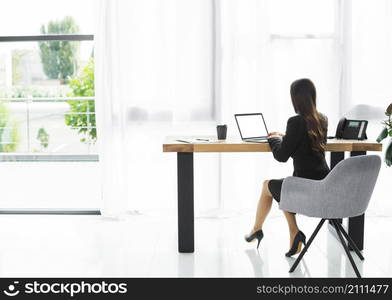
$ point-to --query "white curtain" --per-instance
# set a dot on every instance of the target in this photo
(266, 45)
(180, 67)
(371, 74)
(154, 78)
(111, 106)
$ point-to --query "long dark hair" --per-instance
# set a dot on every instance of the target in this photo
(303, 97)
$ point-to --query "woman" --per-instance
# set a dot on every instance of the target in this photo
(304, 141)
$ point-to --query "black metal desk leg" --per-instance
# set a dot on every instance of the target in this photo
(356, 225)
(185, 202)
(336, 157)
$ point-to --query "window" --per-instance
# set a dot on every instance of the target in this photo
(47, 77)
(47, 106)
(24, 17)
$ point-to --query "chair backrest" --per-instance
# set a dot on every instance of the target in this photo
(353, 181)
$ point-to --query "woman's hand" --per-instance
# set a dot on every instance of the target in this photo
(275, 134)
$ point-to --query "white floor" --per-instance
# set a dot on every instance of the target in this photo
(146, 246)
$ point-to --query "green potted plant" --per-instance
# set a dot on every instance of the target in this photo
(387, 131)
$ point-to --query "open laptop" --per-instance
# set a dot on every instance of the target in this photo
(252, 127)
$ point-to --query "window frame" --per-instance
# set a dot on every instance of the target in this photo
(47, 37)
(47, 158)
(51, 37)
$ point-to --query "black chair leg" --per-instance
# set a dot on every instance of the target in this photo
(350, 240)
(347, 250)
(292, 269)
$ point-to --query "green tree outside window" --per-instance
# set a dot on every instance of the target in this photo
(83, 86)
(9, 134)
(59, 57)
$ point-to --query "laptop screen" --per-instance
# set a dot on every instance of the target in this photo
(251, 125)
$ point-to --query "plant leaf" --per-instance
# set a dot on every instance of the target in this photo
(388, 155)
(383, 134)
(389, 110)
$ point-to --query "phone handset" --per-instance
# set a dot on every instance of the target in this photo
(340, 128)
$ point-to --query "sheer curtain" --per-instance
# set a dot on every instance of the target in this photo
(266, 45)
(110, 108)
(371, 73)
(180, 67)
(154, 78)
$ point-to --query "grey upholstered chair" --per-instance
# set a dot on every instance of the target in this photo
(345, 192)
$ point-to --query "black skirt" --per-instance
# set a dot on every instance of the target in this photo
(275, 187)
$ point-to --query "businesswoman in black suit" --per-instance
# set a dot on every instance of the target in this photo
(304, 141)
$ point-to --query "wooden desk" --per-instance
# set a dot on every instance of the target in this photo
(185, 177)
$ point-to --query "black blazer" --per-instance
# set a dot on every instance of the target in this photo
(296, 144)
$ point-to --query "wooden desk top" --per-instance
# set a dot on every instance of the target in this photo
(236, 145)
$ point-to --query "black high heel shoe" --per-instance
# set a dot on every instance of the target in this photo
(256, 235)
(299, 238)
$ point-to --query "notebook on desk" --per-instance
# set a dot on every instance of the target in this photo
(200, 140)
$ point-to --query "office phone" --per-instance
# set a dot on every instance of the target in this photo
(351, 129)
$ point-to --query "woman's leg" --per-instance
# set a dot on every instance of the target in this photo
(263, 207)
(293, 227)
